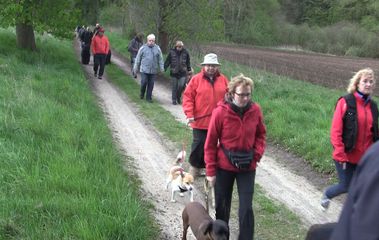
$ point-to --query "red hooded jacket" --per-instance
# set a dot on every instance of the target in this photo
(364, 136)
(235, 134)
(100, 45)
(200, 98)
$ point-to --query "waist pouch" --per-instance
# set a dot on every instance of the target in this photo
(239, 159)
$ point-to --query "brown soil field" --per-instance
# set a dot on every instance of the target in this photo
(326, 70)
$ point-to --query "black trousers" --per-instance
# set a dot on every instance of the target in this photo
(224, 190)
(99, 60)
(196, 158)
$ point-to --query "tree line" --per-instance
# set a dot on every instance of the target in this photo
(320, 25)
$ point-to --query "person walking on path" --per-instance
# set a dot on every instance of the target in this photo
(354, 128)
(86, 39)
(234, 145)
(200, 97)
(149, 62)
(100, 48)
(133, 47)
(179, 62)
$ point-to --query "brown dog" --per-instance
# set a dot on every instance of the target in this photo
(202, 225)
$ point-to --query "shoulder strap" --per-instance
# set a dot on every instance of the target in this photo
(374, 112)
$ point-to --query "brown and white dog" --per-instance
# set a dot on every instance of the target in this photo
(179, 180)
(202, 225)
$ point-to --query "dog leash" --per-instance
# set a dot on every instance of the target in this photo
(202, 116)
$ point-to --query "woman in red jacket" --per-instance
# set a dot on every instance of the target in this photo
(100, 49)
(235, 142)
(200, 97)
(354, 129)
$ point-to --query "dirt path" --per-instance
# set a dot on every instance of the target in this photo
(139, 140)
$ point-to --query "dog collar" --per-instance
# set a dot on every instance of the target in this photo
(183, 189)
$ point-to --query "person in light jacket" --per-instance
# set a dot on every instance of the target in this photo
(236, 131)
(149, 62)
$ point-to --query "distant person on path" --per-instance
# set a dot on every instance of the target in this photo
(86, 39)
(100, 48)
(179, 62)
(149, 62)
(235, 143)
(133, 47)
(200, 97)
(354, 129)
(96, 29)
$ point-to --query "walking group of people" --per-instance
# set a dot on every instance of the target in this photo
(147, 60)
(229, 137)
(229, 134)
(99, 44)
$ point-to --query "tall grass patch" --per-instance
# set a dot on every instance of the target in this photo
(61, 175)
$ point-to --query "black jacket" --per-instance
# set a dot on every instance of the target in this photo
(360, 215)
(179, 62)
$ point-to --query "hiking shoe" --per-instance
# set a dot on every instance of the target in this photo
(174, 103)
(100, 77)
(325, 201)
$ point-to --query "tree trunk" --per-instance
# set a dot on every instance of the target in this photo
(163, 41)
(25, 36)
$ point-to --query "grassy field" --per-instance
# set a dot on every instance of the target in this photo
(61, 174)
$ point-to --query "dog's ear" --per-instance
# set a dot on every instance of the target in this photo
(207, 227)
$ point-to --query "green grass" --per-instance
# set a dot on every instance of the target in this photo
(61, 175)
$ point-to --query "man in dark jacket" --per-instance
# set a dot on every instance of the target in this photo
(133, 48)
(86, 39)
(360, 213)
(179, 61)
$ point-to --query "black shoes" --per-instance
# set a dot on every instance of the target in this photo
(174, 103)
(100, 77)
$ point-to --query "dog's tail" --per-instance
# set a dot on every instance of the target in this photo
(181, 157)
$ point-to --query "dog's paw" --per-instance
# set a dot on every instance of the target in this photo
(181, 194)
(173, 200)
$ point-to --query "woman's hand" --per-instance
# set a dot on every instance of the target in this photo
(211, 180)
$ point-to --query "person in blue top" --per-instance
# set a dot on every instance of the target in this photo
(149, 62)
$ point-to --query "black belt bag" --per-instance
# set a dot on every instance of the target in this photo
(239, 159)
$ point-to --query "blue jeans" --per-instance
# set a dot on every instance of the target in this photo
(344, 176)
(177, 88)
(147, 83)
(223, 191)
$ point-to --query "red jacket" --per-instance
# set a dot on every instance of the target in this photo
(364, 136)
(100, 45)
(200, 98)
(227, 127)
